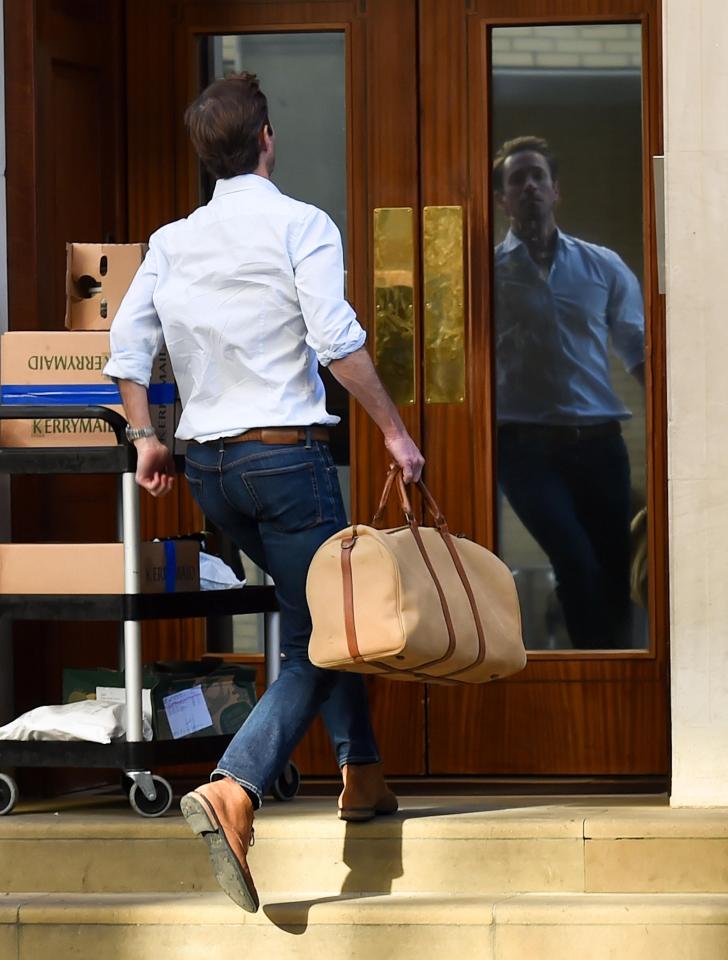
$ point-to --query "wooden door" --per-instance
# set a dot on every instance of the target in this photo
(569, 712)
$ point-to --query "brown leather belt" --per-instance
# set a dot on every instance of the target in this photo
(280, 435)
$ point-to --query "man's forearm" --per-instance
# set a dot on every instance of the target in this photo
(357, 374)
(136, 403)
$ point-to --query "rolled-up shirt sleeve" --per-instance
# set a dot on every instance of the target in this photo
(136, 331)
(332, 329)
(626, 315)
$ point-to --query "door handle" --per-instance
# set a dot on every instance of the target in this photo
(444, 295)
(394, 316)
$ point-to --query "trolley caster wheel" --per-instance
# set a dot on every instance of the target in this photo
(8, 794)
(287, 784)
(151, 808)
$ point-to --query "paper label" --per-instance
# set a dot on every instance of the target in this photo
(187, 712)
(118, 695)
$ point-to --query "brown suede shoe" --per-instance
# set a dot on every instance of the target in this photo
(221, 813)
(365, 793)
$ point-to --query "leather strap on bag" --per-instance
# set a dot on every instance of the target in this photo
(414, 527)
(388, 483)
(447, 537)
(395, 476)
(347, 546)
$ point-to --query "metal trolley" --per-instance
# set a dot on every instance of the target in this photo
(150, 795)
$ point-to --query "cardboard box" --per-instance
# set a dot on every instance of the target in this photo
(64, 367)
(96, 568)
(97, 277)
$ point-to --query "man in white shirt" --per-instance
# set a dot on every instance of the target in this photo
(247, 293)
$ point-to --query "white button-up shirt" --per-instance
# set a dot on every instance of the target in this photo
(248, 295)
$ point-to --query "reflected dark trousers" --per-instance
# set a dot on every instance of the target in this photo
(571, 490)
(279, 502)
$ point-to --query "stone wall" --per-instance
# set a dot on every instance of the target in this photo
(696, 168)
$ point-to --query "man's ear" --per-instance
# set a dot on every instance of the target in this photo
(557, 191)
(265, 137)
(499, 199)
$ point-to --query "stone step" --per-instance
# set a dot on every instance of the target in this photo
(352, 927)
(441, 845)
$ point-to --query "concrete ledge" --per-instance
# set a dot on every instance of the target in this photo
(398, 926)
(491, 846)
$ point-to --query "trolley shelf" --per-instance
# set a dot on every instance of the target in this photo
(76, 753)
(143, 606)
(59, 460)
(36, 460)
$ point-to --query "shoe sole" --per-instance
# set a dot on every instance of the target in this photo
(362, 814)
(225, 864)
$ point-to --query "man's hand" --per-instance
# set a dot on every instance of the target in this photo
(155, 466)
(406, 455)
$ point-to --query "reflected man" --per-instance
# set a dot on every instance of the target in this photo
(562, 462)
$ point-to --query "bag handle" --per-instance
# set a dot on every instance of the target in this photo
(394, 476)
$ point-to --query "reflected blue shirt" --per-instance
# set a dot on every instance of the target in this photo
(553, 335)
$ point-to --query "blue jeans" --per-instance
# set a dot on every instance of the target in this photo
(279, 503)
(573, 496)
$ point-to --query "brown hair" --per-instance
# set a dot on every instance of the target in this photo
(522, 145)
(225, 122)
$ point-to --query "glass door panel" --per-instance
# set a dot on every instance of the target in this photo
(303, 75)
(567, 157)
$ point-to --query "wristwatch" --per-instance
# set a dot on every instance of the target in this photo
(137, 433)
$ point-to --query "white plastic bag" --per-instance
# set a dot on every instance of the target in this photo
(215, 574)
(98, 721)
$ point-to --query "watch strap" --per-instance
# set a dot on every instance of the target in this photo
(138, 433)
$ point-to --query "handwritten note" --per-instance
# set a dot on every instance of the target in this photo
(187, 712)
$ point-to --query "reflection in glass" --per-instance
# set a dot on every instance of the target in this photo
(569, 330)
(303, 75)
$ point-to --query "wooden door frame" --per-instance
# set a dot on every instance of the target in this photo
(512, 13)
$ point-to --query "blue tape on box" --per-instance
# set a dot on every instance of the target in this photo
(170, 566)
(81, 394)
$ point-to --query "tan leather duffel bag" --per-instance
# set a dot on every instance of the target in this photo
(413, 603)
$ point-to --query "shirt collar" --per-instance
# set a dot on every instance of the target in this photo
(245, 181)
(512, 242)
